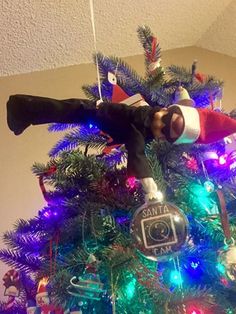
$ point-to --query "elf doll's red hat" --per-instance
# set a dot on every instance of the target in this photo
(204, 126)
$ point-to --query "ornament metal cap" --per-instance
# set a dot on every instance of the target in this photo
(182, 97)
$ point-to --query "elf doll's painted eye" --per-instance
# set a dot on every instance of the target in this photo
(112, 78)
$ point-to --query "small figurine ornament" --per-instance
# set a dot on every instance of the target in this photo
(42, 296)
(88, 285)
(12, 283)
(12, 288)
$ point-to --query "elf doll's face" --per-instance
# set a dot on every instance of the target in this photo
(167, 125)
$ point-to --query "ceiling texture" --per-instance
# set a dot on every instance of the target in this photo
(37, 35)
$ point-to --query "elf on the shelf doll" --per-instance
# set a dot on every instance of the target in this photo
(132, 125)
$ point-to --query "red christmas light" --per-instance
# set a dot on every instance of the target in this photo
(131, 182)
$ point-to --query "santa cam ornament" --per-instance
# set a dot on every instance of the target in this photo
(159, 230)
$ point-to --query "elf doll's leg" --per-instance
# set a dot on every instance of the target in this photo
(24, 110)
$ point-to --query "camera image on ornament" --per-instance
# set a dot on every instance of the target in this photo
(158, 231)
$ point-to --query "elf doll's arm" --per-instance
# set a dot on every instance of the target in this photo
(138, 164)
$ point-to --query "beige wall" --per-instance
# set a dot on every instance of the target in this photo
(20, 194)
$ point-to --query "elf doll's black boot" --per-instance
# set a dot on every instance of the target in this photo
(24, 110)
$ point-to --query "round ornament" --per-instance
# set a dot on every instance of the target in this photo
(159, 229)
(227, 258)
(209, 186)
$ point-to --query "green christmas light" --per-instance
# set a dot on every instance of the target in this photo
(130, 289)
(220, 268)
(203, 198)
(175, 278)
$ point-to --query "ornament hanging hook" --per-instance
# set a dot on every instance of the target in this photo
(229, 242)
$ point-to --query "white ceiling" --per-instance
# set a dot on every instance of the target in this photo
(45, 34)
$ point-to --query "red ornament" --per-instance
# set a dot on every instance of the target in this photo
(191, 162)
(200, 77)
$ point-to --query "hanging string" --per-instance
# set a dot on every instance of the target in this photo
(53, 252)
(224, 215)
(181, 286)
(51, 256)
(57, 237)
(93, 230)
(113, 291)
(116, 69)
(204, 170)
(95, 48)
(178, 269)
(83, 233)
(211, 101)
(113, 294)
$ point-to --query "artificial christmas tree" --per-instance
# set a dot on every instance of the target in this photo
(102, 251)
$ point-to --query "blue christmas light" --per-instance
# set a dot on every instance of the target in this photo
(194, 264)
(193, 268)
(48, 213)
(91, 125)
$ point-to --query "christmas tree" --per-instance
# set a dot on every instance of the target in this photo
(91, 243)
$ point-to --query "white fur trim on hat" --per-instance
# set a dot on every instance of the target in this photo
(192, 128)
